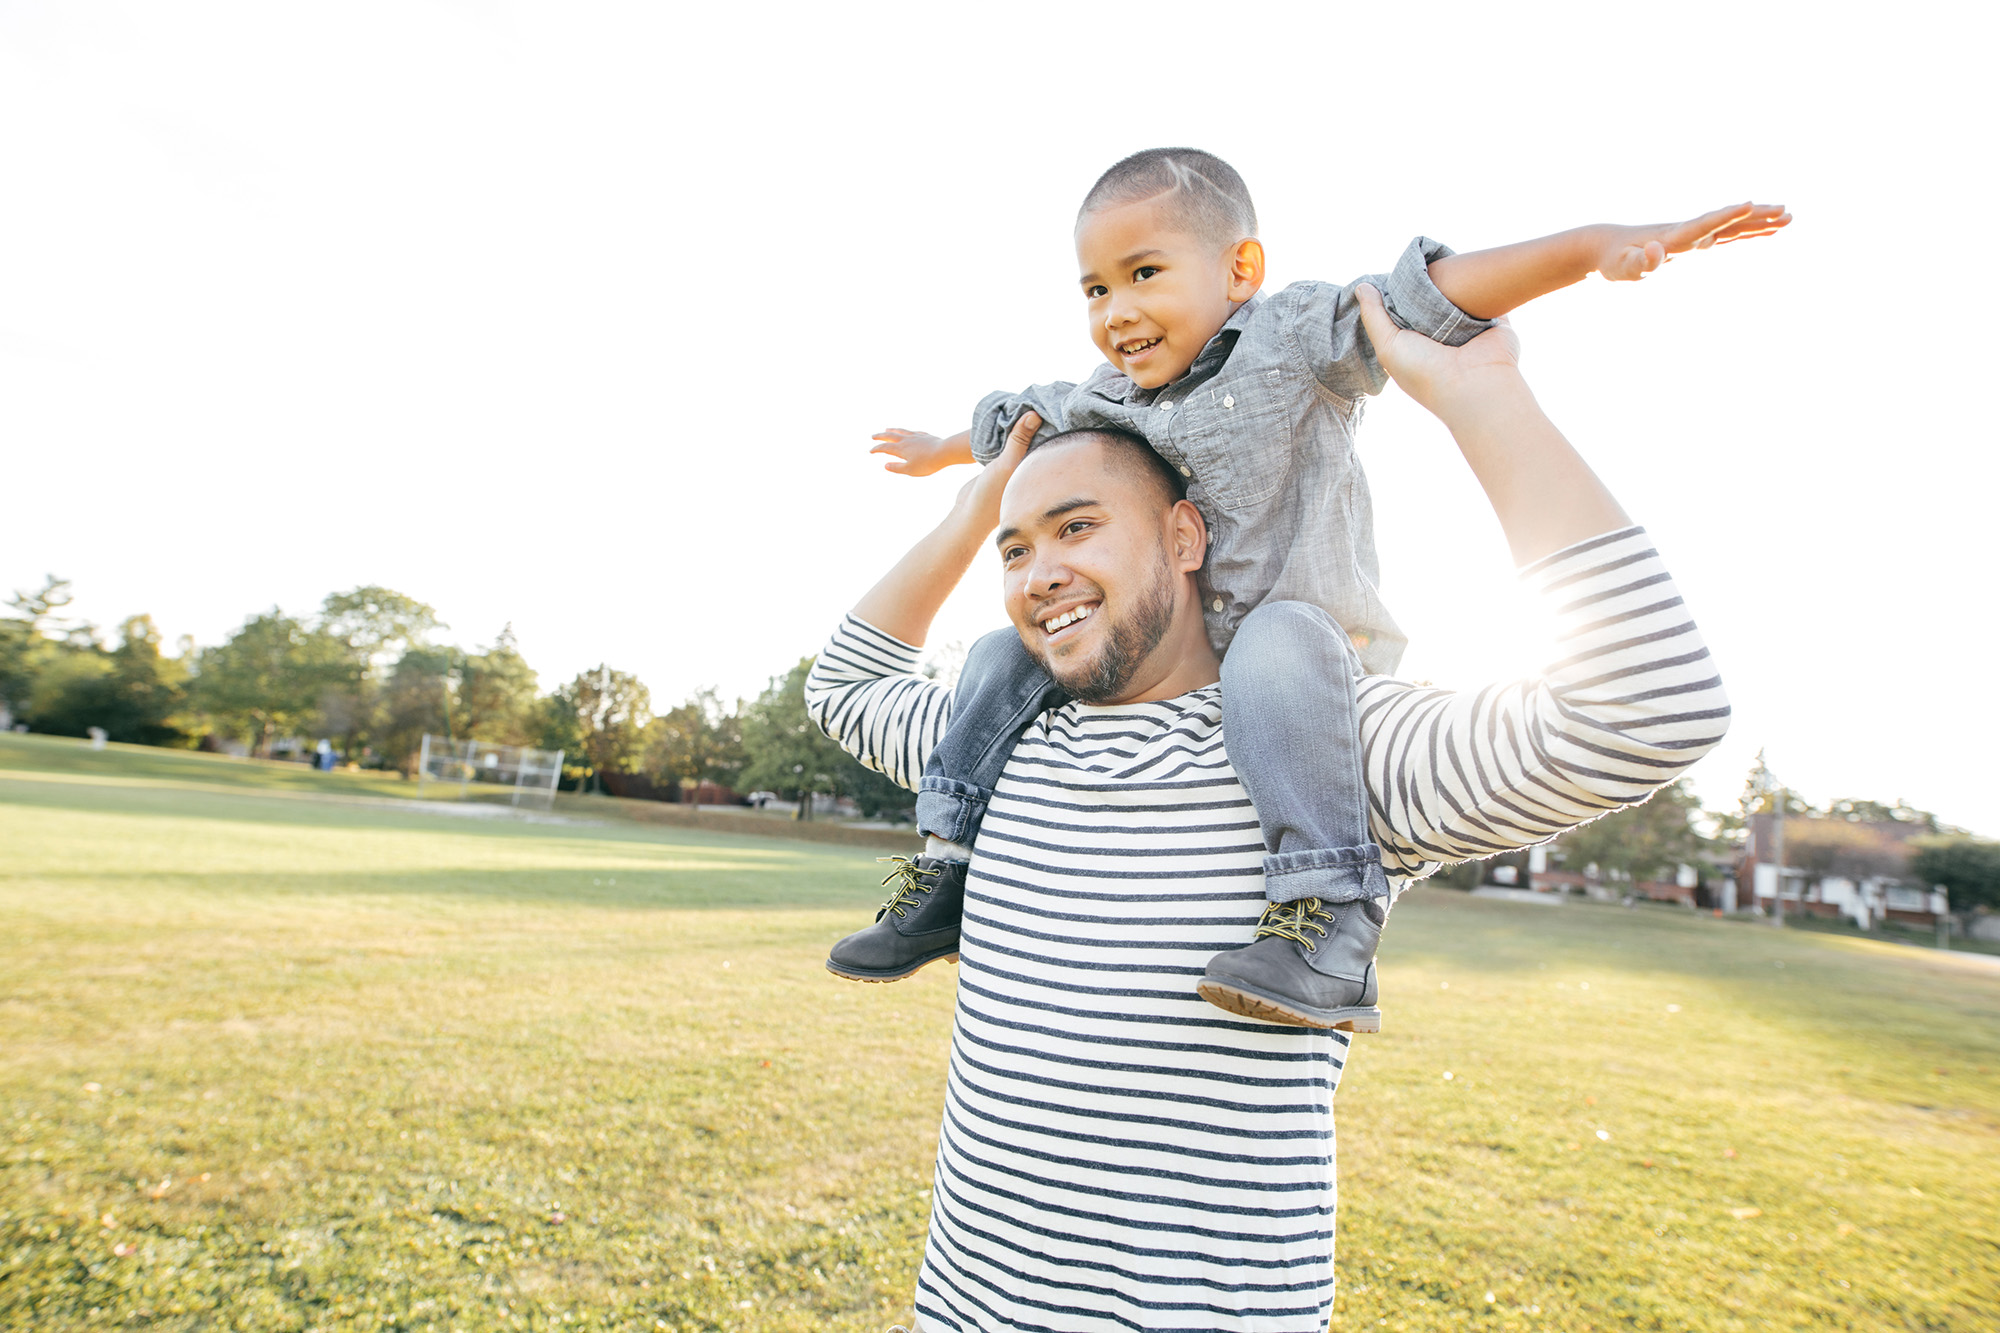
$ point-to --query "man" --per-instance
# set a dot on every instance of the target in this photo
(1117, 1154)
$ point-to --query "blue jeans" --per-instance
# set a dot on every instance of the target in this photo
(1289, 719)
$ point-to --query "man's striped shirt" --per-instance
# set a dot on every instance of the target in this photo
(1117, 1154)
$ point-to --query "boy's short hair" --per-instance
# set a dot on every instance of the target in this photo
(1134, 455)
(1208, 199)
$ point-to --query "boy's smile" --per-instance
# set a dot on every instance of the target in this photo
(1157, 295)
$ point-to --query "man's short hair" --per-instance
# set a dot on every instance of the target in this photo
(1199, 193)
(1131, 454)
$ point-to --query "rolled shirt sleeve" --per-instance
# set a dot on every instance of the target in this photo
(997, 413)
(1328, 324)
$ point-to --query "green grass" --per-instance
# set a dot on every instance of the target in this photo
(276, 1053)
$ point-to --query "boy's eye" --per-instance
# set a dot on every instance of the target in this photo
(1092, 293)
(1144, 272)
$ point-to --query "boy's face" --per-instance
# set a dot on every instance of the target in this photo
(1157, 296)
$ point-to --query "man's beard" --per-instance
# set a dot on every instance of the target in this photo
(1130, 641)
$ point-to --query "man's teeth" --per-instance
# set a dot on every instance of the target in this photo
(1065, 620)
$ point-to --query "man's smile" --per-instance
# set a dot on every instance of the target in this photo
(1058, 623)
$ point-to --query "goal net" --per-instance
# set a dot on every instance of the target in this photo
(478, 771)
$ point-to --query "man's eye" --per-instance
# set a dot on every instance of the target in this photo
(1075, 526)
(1092, 293)
(1143, 273)
(1013, 553)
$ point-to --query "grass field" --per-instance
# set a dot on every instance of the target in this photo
(276, 1053)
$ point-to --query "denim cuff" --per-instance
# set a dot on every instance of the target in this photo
(997, 412)
(950, 809)
(1416, 303)
(1332, 874)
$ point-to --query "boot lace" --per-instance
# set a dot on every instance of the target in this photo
(910, 880)
(1292, 920)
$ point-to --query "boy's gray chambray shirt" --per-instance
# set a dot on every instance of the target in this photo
(1262, 426)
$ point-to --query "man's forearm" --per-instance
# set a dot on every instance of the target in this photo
(1544, 494)
(906, 600)
(1486, 284)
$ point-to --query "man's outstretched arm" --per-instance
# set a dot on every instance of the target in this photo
(1544, 494)
(1630, 697)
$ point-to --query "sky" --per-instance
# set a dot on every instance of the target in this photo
(577, 318)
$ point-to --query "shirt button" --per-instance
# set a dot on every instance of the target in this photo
(1229, 400)
(1185, 472)
(1217, 603)
(1166, 407)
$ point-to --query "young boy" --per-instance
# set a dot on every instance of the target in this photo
(1253, 401)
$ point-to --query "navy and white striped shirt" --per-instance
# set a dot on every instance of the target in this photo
(1116, 1153)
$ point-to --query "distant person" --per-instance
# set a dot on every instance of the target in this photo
(1115, 1153)
(1253, 402)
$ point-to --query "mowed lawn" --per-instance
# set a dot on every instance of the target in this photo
(279, 1053)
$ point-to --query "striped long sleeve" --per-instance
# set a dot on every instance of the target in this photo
(1628, 701)
(865, 693)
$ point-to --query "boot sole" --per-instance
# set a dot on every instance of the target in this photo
(1276, 1009)
(858, 974)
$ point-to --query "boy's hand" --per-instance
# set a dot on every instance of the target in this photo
(1627, 254)
(915, 454)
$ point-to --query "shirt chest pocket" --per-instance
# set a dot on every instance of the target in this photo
(1237, 435)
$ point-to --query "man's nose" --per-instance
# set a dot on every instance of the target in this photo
(1047, 575)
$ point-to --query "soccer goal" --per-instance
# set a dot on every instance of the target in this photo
(482, 772)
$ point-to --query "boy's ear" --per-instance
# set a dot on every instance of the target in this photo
(1246, 268)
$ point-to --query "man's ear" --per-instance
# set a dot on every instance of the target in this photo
(1246, 268)
(1187, 537)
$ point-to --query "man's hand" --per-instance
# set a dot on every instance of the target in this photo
(1626, 254)
(1544, 495)
(909, 595)
(915, 454)
(1437, 376)
(979, 498)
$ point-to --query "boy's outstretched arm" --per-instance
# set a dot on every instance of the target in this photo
(1486, 284)
(916, 454)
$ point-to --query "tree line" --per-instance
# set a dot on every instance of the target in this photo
(369, 673)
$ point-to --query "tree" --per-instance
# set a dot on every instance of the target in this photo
(1849, 848)
(788, 754)
(497, 700)
(1967, 868)
(1644, 841)
(697, 742)
(1854, 810)
(375, 628)
(606, 712)
(31, 643)
(131, 692)
(415, 698)
(377, 624)
(268, 678)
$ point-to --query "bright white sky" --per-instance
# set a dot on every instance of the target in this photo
(579, 316)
